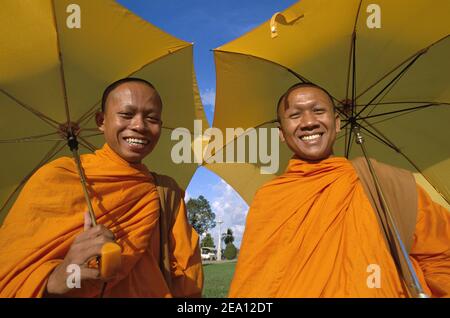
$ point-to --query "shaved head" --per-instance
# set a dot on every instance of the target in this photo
(285, 96)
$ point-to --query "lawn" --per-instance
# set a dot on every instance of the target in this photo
(217, 279)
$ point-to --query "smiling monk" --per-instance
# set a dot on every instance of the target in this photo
(313, 231)
(47, 235)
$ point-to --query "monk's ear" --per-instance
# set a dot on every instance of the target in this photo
(337, 123)
(280, 132)
(100, 120)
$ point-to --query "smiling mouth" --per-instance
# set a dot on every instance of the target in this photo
(311, 137)
(136, 141)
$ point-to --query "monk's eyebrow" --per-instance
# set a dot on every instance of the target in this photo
(129, 107)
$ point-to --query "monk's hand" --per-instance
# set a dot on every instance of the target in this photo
(86, 247)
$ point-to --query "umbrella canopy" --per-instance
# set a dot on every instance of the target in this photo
(55, 61)
(386, 67)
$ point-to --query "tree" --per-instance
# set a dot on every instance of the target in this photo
(208, 241)
(230, 251)
(228, 237)
(200, 215)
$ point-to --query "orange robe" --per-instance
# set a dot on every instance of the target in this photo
(49, 213)
(313, 233)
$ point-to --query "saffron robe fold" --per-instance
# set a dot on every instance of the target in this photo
(49, 213)
(312, 233)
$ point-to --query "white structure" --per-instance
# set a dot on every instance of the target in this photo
(219, 248)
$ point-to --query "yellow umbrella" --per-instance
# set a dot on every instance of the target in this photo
(386, 66)
(56, 58)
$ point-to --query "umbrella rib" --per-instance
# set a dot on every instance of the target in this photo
(408, 102)
(385, 142)
(35, 112)
(352, 48)
(91, 129)
(340, 137)
(402, 63)
(374, 106)
(346, 124)
(49, 155)
(349, 143)
(61, 66)
(89, 114)
(301, 78)
(381, 134)
(404, 70)
(92, 110)
(30, 138)
(86, 144)
(93, 135)
(401, 110)
(20, 140)
(350, 60)
(354, 77)
(398, 150)
(399, 115)
(345, 140)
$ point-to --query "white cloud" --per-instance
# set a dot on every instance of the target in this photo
(231, 209)
(208, 97)
(187, 196)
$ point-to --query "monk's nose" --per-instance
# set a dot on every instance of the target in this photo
(138, 123)
(309, 121)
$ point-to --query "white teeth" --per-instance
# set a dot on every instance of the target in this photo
(136, 141)
(310, 137)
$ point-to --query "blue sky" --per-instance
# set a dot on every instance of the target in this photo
(210, 24)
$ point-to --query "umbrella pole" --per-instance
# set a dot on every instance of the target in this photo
(73, 145)
(414, 288)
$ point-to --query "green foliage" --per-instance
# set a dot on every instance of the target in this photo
(200, 215)
(207, 241)
(228, 237)
(230, 251)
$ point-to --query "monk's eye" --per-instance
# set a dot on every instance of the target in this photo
(294, 115)
(153, 120)
(319, 110)
(126, 115)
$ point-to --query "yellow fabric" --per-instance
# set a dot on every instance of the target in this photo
(254, 70)
(312, 233)
(49, 213)
(110, 44)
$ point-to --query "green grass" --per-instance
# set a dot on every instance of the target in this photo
(217, 279)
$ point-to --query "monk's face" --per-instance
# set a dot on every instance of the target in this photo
(308, 123)
(132, 120)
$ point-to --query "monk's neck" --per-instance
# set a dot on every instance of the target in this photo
(110, 154)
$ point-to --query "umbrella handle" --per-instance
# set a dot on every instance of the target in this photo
(110, 260)
(414, 287)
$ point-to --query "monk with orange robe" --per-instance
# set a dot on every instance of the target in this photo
(312, 231)
(47, 230)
